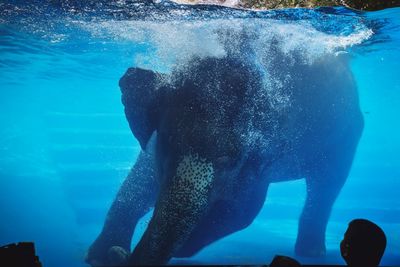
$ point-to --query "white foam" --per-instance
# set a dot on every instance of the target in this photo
(175, 42)
(167, 42)
(304, 40)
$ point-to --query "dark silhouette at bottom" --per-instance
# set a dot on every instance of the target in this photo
(363, 244)
(284, 261)
(20, 254)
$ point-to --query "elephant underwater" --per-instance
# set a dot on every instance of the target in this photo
(214, 133)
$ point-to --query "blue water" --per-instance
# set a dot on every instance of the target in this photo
(65, 145)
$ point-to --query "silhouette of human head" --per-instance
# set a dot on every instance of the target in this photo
(363, 244)
(284, 261)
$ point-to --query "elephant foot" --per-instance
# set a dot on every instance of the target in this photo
(102, 254)
(313, 250)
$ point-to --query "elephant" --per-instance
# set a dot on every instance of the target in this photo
(214, 133)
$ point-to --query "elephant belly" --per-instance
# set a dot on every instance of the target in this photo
(288, 167)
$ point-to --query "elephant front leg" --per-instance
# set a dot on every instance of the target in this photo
(181, 205)
(135, 197)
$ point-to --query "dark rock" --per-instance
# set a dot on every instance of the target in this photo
(369, 5)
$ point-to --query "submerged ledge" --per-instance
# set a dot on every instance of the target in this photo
(369, 5)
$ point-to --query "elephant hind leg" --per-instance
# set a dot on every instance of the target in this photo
(327, 175)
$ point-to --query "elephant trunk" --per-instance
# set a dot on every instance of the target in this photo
(182, 203)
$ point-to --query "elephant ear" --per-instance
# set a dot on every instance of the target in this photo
(141, 101)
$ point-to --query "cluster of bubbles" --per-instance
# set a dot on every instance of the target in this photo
(173, 33)
(165, 36)
(167, 45)
(175, 42)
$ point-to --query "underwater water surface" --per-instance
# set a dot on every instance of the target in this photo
(66, 147)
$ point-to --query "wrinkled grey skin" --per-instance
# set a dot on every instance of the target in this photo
(216, 137)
